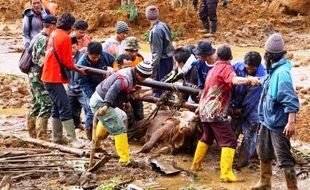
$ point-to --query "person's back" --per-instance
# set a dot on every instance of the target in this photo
(32, 21)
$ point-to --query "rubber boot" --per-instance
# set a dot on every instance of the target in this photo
(264, 182)
(200, 153)
(227, 158)
(101, 133)
(31, 126)
(69, 127)
(290, 177)
(122, 148)
(41, 127)
(56, 130)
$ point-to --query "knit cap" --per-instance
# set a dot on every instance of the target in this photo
(145, 69)
(152, 12)
(275, 43)
(121, 27)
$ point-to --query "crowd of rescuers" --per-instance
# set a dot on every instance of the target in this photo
(247, 96)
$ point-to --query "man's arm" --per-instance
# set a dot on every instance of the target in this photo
(26, 31)
(157, 47)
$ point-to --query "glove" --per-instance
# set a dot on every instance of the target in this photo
(102, 111)
(225, 3)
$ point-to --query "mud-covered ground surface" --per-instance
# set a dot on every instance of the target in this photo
(243, 24)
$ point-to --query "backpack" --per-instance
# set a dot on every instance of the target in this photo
(25, 61)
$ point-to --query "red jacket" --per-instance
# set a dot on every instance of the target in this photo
(51, 70)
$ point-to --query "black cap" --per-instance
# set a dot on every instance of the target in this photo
(204, 48)
(50, 19)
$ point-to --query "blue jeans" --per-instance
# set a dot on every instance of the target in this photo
(61, 108)
(248, 144)
(78, 102)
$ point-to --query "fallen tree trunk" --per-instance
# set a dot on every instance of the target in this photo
(189, 106)
(151, 83)
(62, 148)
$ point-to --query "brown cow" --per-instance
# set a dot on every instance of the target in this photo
(170, 134)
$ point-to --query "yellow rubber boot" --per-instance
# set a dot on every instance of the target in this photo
(200, 153)
(227, 158)
(101, 133)
(122, 148)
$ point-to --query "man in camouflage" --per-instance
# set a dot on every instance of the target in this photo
(41, 109)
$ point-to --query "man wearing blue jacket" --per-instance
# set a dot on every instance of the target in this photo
(161, 46)
(245, 101)
(95, 58)
(278, 106)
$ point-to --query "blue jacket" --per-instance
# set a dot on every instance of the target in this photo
(89, 82)
(278, 97)
(247, 97)
(202, 70)
(74, 88)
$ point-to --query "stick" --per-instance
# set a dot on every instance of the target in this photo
(36, 171)
(99, 164)
(41, 160)
(93, 141)
(28, 166)
(31, 156)
(78, 152)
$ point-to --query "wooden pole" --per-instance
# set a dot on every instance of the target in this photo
(151, 83)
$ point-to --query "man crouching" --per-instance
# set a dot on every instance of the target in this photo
(111, 94)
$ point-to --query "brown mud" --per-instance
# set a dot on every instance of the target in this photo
(244, 23)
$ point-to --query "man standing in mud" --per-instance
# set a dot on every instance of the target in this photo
(41, 109)
(277, 114)
(208, 16)
(111, 94)
(213, 113)
(245, 101)
(32, 21)
(161, 46)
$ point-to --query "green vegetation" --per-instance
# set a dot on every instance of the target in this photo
(111, 185)
(129, 9)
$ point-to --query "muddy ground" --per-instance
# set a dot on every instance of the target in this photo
(243, 24)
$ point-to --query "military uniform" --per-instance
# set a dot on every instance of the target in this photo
(41, 108)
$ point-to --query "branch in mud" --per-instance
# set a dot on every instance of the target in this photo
(62, 148)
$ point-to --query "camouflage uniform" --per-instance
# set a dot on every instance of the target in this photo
(41, 108)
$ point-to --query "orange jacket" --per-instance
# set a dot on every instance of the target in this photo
(51, 70)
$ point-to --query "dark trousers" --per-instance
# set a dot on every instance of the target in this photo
(221, 132)
(77, 103)
(61, 108)
(208, 12)
(163, 68)
(270, 144)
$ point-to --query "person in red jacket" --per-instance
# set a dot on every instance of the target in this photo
(59, 46)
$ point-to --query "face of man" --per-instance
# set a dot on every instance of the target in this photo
(93, 58)
(36, 5)
(132, 53)
(74, 49)
(122, 36)
(209, 59)
(126, 63)
(250, 69)
(80, 33)
(139, 77)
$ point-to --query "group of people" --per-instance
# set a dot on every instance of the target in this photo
(248, 97)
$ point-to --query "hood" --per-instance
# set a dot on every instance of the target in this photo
(283, 62)
(188, 65)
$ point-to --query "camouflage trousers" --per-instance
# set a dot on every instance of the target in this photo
(42, 103)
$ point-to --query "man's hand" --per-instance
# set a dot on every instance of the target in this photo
(127, 106)
(289, 129)
(254, 81)
(102, 111)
